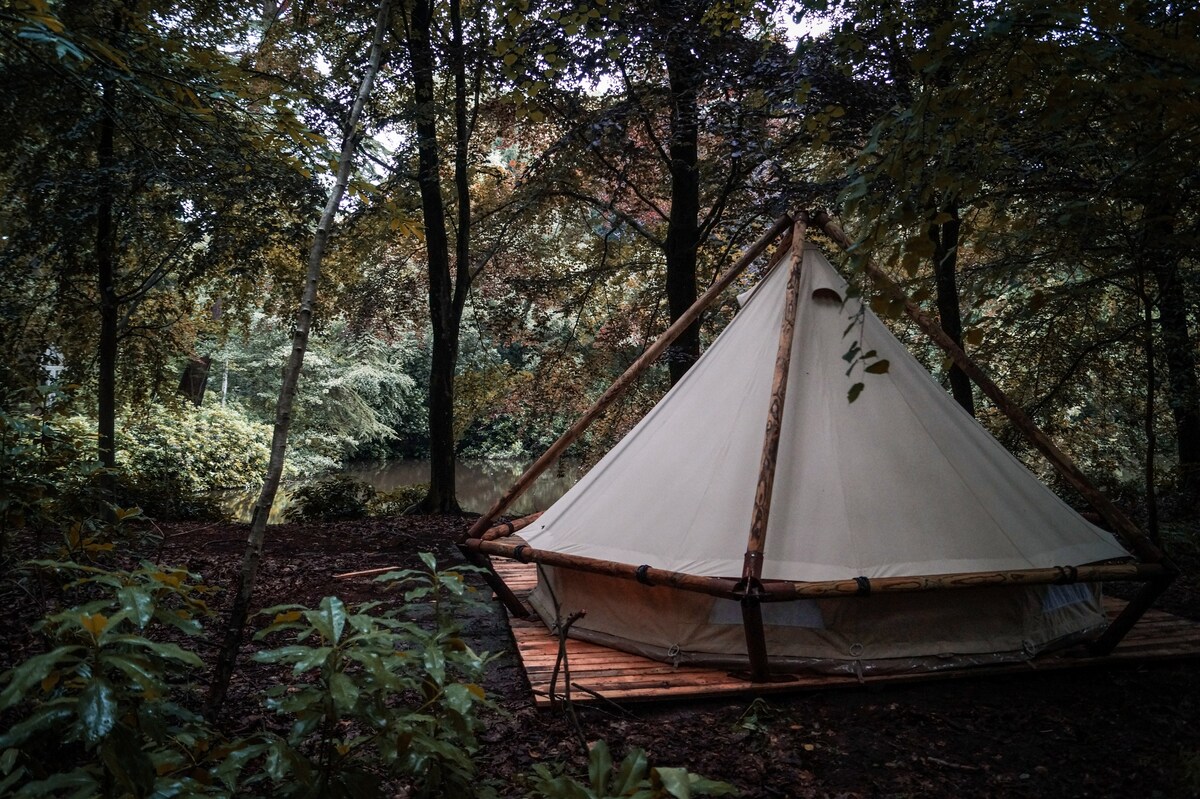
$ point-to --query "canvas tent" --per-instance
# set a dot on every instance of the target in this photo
(759, 510)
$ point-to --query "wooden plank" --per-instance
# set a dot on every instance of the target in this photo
(621, 676)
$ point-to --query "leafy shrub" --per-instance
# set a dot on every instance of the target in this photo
(104, 710)
(398, 500)
(193, 449)
(348, 732)
(635, 778)
(165, 496)
(49, 477)
(336, 497)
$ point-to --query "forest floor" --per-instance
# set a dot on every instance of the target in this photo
(1097, 732)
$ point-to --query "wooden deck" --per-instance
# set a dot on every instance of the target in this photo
(599, 673)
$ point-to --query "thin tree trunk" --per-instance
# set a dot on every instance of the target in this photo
(1178, 351)
(683, 226)
(1148, 418)
(227, 659)
(447, 294)
(106, 279)
(945, 267)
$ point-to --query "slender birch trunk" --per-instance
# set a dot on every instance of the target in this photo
(227, 659)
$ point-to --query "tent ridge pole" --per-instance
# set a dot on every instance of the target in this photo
(781, 226)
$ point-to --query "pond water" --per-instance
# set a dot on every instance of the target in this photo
(479, 484)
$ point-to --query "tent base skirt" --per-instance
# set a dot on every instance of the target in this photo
(602, 673)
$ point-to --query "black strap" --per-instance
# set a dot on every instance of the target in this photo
(640, 574)
(864, 586)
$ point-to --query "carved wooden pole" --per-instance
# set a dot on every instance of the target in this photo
(752, 621)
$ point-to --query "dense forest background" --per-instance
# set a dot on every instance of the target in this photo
(251, 243)
(535, 189)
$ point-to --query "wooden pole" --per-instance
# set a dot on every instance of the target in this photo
(647, 358)
(752, 622)
(783, 590)
(787, 590)
(717, 586)
(1137, 540)
(508, 528)
(1128, 617)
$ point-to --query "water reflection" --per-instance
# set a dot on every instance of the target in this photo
(479, 484)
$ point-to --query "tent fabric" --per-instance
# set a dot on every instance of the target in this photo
(901, 482)
(896, 632)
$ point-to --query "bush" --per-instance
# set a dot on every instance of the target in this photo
(105, 711)
(49, 478)
(398, 500)
(348, 732)
(167, 497)
(105, 708)
(194, 450)
(329, 499)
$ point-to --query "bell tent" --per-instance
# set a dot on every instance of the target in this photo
(758, 519)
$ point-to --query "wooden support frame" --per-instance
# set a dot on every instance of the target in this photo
(787, 590)
(1155, 570)
(752, 621)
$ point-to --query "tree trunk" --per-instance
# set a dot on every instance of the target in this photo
(447, 294)
(227, 659)
(945, 268)
(106, 283)
(1178, 348)
(683, 231)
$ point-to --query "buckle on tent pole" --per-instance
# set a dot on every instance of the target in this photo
(640, 574)
(519, 553)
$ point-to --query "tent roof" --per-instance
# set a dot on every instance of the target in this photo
(901, 482)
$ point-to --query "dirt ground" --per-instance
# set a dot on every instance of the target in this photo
(1115, 731)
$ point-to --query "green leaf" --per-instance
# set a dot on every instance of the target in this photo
(435, 664)
(8, 760)
(633, 771)
(335, 612)
(32, 672)
(460, 698)
(97, 711)
(138, 604)
(343, 690)
(84, 784)
(141, 671)
(46, 717)
(126, 761)
(429, 560)
(879, 367)
(168, 651)
(854, 391)
(674, 781)
(599, 767)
